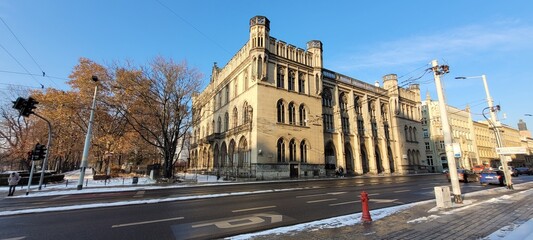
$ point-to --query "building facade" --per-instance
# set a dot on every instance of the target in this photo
(463, 137)
(274, 112)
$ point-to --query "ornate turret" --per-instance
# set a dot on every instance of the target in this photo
(315, 47)
(259, 31)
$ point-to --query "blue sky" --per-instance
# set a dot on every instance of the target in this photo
(362, 39)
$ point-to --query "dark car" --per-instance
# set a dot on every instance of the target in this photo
(464, 176)
(492, 177)
(523, 170)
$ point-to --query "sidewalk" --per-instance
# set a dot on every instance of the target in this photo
(489, 214)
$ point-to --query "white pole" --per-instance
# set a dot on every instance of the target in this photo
(447, 136)
(87, 142)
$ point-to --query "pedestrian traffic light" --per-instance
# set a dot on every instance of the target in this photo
(30, 105)
(39, 152)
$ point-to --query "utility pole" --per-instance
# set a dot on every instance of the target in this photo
(87, 138)
(437, 72)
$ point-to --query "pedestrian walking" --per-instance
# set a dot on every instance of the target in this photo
(13, 181)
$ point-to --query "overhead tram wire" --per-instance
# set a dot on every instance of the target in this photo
(20, 64)
(33, 74)
(190, 24)
(31, 56)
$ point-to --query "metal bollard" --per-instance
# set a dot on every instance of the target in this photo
(366, 213)
(86, 182)
(66, 184)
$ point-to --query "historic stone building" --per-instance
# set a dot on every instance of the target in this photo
(274, 112)
(462, 130)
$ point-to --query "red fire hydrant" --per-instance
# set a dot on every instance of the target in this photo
(364, 202)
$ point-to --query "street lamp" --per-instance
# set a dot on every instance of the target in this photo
(495, 123)
(83, 165)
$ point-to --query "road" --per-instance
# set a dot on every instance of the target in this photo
(207, 218)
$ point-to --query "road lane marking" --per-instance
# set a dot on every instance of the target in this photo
(382, 200)
(428, 188)
(14, 238)
(373, 194)
(146, 222)
(322, 200)
(344, 203)
(322, 194)
(400, 191)
(60, 197)
(139, 194)
(252, 209)
(242, 221)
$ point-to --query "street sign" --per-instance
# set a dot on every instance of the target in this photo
(456, 150)
(511, 150)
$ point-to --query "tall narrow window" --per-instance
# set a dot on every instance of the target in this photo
(245, 117)
(301, 83)
(292, 113)
(303, 116)
(281, 111)
(303, 151)
(227, 94)
(226, 121)
(292, 78)
(292, 150)
(280, 77)
(326, 98)
(219, 128)
(260, 68)
(281, 150)
(235, 117)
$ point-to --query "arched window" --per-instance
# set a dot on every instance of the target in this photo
(219, 128)
(301, 83)
(235, 117)
(281, 111)
(343, 102)
(280, 78)
(303, 151)
(406, 132)
(227, 94)
(326, 98)
(226, 121)
(292, 78)
(357, 105)
(245, 117)
(410, 133)
(414, 134)
(213, 126)
(292, 150)
(259, 68)
(281, 150)
(303, 115)
(292, 113)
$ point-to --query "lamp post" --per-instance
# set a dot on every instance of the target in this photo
(495, 123)
(83, 165)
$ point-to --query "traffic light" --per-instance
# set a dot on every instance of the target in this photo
(42, 152)
(30, 105)
(20, 103)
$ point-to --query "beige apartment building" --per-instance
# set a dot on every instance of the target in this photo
(463, 137)
(274, 112)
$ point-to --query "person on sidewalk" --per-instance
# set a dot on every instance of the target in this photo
(13, 181)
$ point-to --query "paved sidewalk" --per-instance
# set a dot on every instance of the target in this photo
(481, 215)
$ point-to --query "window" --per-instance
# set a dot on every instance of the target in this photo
(219, 128)
(280, 78)
(292, 114)
(428, 147)
(292, 150)
(226, 121)
(328, 122)
(303, 151)
(441, 143)
(281, 111)
(406, 132)
(245, 117)
(343, 102)
(235, 117)
(360, 127)
(227, 94)
(281, 150)
(326, 98)
(301, 83)
(414, 134)
(219, 103)
(430, 160)
(426, 133)
(292, 77)
(303, 116)
(345, 124)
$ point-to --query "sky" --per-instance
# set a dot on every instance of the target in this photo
(361, 39)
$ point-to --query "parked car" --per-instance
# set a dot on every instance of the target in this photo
(464, 175)
(492, 177)
(478, 168)
(512, 171)
(523, 170)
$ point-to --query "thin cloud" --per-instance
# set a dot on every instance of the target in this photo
(456, 42)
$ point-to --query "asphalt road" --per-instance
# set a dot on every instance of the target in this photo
(208, 218)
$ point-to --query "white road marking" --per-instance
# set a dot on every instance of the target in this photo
(322, 200)
(252, 209)
(139, 194)
(399, 191)
(322, 194)
(344, 203)
(382, 200)
(428, 188)
(373, 194)
(60, 197)
(146, 222)
(242, 221)
(15, 238)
